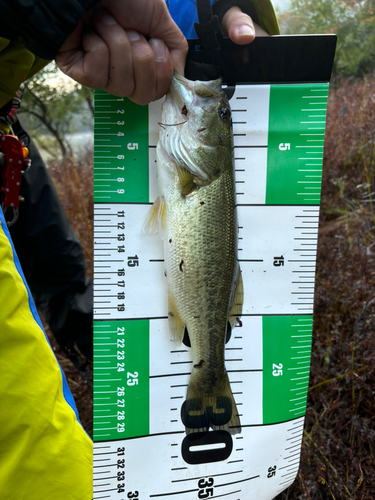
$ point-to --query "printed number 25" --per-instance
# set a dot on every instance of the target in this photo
(132, 378)
(277, 370)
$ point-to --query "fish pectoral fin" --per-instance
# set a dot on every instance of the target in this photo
(236, 309)
(162, 218)
(186, 179)
(150, 225)
(156, 218)
(175, 324)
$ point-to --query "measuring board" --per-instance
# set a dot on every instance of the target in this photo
(141, 376)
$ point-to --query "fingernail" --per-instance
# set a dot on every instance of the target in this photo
(158, 46)
(133, 35)
(245, 30)
(107, 19)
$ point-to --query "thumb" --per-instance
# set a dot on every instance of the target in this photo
(238, 26)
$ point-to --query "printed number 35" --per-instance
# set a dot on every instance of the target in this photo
(271, 471)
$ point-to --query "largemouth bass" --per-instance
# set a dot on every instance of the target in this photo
(196, 217)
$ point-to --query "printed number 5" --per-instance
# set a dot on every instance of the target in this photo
(277, 370)
(132, 146)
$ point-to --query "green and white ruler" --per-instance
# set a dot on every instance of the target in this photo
(141, 450)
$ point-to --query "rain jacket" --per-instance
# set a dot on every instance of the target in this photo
(44, 451)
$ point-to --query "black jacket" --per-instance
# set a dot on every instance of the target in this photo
(41, 25)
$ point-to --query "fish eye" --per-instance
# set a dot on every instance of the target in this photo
(224, 113)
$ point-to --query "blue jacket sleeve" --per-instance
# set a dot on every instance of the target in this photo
(184, 14)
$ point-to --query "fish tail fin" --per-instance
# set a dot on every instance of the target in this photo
(218, 410)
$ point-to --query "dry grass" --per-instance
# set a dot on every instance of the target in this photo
(338, 459)
(74, 184)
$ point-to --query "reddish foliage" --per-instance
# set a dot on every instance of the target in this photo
(349, 159)
(74, 184)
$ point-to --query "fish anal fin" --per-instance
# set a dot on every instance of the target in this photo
(236, 309)
(175, 324)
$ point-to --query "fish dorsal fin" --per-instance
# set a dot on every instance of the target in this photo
(236, 309)
(186, 179)
(156, 218)
(175, 324)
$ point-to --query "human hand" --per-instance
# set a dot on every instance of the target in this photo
(240, 27)
(109, 49)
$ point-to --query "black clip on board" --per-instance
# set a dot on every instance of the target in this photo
(275, 59)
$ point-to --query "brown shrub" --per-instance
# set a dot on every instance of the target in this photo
(338, 459)
(74, 184)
